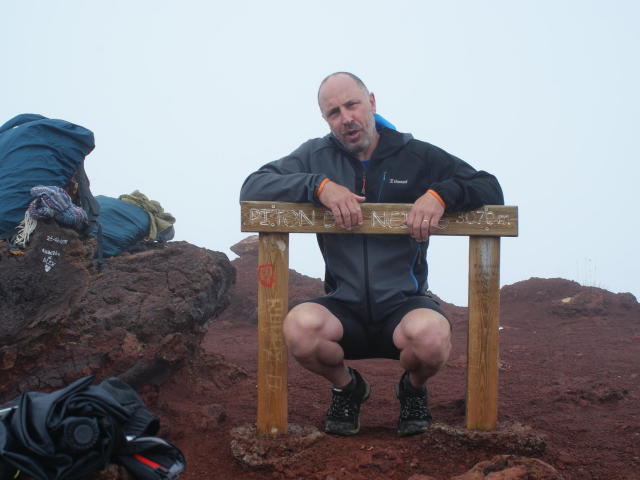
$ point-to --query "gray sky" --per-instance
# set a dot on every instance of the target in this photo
(187, 98)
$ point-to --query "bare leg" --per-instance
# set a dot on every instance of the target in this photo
(312, 334)
(423, 337)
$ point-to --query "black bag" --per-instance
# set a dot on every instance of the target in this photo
(71, 432)
(152, 458)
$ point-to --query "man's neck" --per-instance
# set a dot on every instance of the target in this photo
(368, 153)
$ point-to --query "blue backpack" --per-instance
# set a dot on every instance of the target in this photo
(123, 225)
(35, 150)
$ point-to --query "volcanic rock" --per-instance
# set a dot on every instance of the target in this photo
(276, 451)
(511, 467)
(137, 315)
(566, 298)
(511, 437)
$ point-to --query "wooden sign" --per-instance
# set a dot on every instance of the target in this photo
(385, 218)
(275, 220)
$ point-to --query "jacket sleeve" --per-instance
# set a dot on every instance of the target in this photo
(286, 180)
(461, 186)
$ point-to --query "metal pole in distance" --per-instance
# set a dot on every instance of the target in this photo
(273, 291)
(482, 342)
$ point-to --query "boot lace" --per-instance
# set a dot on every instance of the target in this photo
(413, 408)
(342, 405)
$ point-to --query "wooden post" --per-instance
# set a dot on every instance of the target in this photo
(273, 298)
(482, 342)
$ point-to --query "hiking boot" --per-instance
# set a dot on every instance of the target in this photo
(414, 414)
(344, 411)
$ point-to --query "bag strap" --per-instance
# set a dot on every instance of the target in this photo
(88, 203)
(91, 206)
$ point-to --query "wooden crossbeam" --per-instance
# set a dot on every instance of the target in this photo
(385, 218)
(275, 220)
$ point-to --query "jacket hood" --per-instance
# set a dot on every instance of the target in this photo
(390, 142)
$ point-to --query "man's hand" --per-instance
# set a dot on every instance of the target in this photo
(425, 214)
(343, 203)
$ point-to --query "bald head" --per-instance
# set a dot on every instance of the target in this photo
(350, 75)
(348, 108)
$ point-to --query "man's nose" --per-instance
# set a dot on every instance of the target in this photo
(346, 117)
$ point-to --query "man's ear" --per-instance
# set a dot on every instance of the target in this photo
(372, 101)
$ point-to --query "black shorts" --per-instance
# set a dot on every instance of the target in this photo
(372, 340)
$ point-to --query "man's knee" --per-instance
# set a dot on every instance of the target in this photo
(308, 324)
(302, 320)
(426, 332)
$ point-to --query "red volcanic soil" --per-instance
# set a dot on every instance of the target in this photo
(570, 369)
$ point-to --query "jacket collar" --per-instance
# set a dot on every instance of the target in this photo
(389, 143)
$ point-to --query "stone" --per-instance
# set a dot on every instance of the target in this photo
(511, 467)
(247, 246)
(512, 437)
(274, 451)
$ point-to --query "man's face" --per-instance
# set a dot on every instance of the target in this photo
(349, 110)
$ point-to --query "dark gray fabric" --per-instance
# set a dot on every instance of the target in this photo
(363, 339)
(374, 274)
(74, 431)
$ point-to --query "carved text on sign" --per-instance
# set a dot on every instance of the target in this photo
(274, 382)
(276, 217)
(275, 356)
(378, 218)
(483, 217)
(273, 346)
(274, 309)
(272, 328)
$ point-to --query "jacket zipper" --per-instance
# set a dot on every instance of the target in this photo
(416, 261)
(384, 179)
(365, 253)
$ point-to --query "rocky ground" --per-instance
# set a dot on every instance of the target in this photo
(569, 371)
(568, 379)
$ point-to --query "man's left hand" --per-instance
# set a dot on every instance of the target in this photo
(424, 215)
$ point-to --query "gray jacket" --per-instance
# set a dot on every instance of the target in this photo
(374, 274)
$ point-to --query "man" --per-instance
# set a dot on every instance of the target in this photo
(376, 304)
